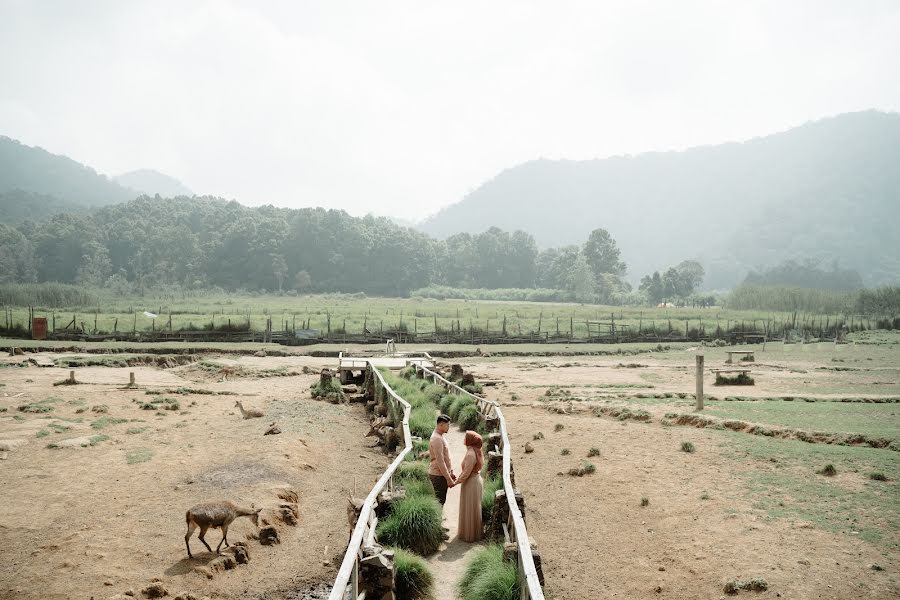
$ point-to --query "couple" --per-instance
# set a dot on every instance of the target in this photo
(443, 478)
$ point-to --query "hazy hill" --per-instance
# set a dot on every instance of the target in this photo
(35, 184)
(829, 189)
(150, 182)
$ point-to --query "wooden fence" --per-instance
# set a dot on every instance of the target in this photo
(514, 529)
(364, 532)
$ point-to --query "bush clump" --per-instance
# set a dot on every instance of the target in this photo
(583, 469)
(488, 497)
(414, 579)
(488, 577)
(877, 476)
(828, 471)
(330, 389)
(414, 524)
(459, 403)
(468, 418)
(687, 447)
(411, 471)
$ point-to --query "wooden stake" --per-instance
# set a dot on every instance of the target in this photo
(699, 382)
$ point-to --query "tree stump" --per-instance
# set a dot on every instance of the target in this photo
(456, 372)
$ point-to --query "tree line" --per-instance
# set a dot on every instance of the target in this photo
(203, 242)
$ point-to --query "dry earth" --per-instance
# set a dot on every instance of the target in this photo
(701, 527)
(96, 521)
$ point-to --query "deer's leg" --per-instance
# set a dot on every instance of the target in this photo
(191, 527)
(203, 531)
(224, 538)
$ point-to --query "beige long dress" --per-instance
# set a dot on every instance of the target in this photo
(469, 527)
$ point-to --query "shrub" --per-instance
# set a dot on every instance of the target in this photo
(416, 487)
(877, 476)
(446, 402)
(422, 421)
(414, 524)
(565, 452)
(329, 390)
(488, 577)
(687, 447)
(583, 469)
(558, 427)
(488, 497)
(459, 403)
(645, 501)
(538, 436)
(593, 452)
(419, 448)
(468, 418)
(413, 576)
(411, 471)
(828, 471)
(433, 393)
(407, 372)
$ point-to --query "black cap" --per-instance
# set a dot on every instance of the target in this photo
(443, 419)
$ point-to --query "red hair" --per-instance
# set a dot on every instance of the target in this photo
(474, 441)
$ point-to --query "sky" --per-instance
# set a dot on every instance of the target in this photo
(400, 108)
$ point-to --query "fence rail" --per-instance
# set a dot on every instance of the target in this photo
(364, 531)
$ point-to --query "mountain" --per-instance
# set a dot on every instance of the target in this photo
(151, 183)
(827, 190)
(35, 170)
(35, 184)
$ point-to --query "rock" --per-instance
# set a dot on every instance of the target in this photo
(108, 582)
(350, 389)
(528, 448)
(260, 354)
(273, 429)
(658, 589)
(206, 572)
(268, 536)
(226, 562)
(289, 513)
(186, 596)
(155, 590)
(129, 592)
(240, 552)
(288, 495)
(876, 567)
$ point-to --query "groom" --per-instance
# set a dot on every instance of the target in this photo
(439, 470)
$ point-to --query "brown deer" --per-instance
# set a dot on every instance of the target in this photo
(249, 413)
(216, 515)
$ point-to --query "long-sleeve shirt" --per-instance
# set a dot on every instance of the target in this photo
(439, 453)
(469, 464)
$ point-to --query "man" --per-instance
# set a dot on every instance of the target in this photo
(439, 470)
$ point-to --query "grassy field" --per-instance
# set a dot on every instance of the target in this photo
(350, 313)
(876, 420)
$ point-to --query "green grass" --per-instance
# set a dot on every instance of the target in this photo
(413, 576)
(105, 421)
(489, 577)
(96, 439)
(874, 420)
(138, 455)
(489, 497)
(782, 484)
(42, 406)
(135, 430)
(413, 524)
(411, 471)
(468, 417)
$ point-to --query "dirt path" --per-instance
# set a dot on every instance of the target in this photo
(449, 564)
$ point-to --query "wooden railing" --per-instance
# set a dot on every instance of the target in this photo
(364, 531)
(529, 582)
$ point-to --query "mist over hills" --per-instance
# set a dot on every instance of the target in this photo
(827, 190)
(35, 184)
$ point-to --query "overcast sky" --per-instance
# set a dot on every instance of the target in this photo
(399, 108)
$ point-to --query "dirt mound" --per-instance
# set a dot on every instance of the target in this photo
(811, 437)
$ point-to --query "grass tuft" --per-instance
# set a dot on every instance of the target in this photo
(414, 524)
(413, 576)
(687, 447)
(489, 577)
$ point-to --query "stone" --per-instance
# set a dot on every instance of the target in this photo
(260, 354)
(155, 590)
(289, 513)
(129, 592)
(205, 571)
(225, 562)
(268, 536)
(528, 448)
(273, 429)
(186, 596)
(240, 552)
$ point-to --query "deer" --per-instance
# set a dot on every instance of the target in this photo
(216, 515)
(249, 413)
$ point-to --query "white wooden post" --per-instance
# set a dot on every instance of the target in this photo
(699, 382)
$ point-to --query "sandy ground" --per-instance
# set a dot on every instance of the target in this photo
(449, 564)
(595, 538)
(81, 522)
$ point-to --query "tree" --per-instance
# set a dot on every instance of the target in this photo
(691, 274)
(652, 286)
(302, 281)
(602, 254)
(279, 269)
(95, 266)
(582, 280)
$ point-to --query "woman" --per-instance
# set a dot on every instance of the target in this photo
(469, 527)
